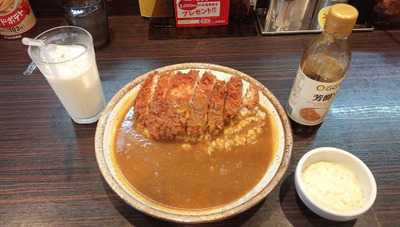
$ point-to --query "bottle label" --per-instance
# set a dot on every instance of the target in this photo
(309, 100)
(16, 17)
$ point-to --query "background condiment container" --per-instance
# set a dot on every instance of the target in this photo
(16, 18)
(348, 160)
(90, 15)
(156, 8)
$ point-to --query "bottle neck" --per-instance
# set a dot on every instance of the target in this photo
(334, 36)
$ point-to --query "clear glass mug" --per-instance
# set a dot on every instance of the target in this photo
(68, 63)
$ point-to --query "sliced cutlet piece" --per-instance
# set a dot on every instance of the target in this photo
(251, 97)
(142, 101)
(215, 121)
(158, 107)
(233, 99)
(197, 121)
(178, 98)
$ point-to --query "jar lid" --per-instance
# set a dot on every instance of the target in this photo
(341, 19)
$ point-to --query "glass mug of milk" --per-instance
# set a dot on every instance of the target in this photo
(67, 60)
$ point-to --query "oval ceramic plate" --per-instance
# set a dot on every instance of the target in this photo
(115, 112)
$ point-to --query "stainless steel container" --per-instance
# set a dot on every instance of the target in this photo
(276, 17)
(289, 15)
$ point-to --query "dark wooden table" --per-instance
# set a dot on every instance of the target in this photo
(48, 170)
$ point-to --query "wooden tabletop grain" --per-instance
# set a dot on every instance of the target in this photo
(48, 171)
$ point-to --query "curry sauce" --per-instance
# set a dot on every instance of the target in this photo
(189, 176)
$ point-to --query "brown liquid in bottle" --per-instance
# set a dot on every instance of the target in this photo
(322, 67)
(321, 71)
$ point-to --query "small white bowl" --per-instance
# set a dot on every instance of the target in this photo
(335, 155)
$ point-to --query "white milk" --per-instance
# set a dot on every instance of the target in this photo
(76, 82)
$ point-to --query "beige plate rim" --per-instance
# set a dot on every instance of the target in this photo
(186, 218)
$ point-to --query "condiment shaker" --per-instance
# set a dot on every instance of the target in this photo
(90, 15)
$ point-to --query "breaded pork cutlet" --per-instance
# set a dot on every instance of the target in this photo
(233, 99)
(197, 121)
(142, 102)
(178, 103)
(215, 121)
(158, 119)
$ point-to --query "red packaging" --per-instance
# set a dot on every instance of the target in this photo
(200, 13)
(16, 17)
